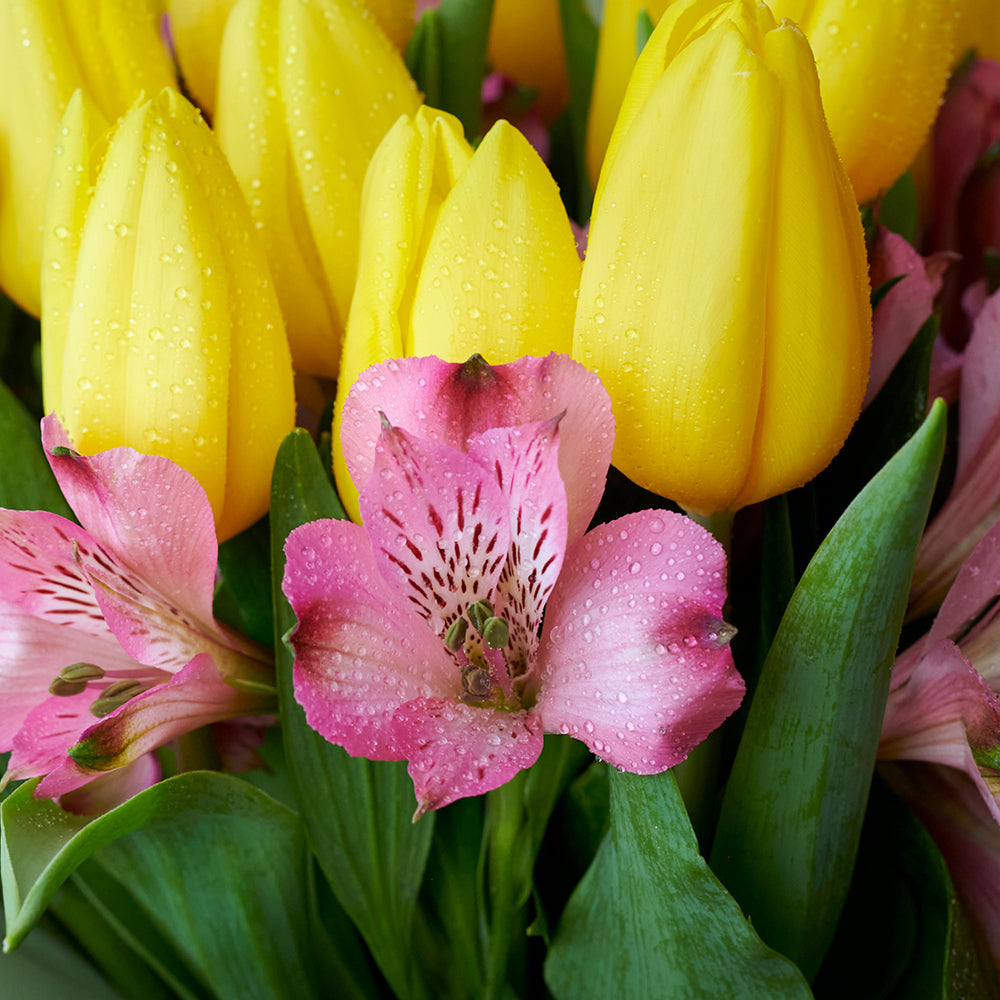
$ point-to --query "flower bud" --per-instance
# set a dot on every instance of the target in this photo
(307, 90)
(196, 28)
(882, 69)
(49, 48)
(460, 254)
(160, 326)
(724, 298)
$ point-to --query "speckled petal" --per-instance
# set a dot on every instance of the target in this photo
(457, 750)
(438, 525)
(360, 651)
(634, 658)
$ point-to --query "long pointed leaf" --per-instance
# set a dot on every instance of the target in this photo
(792, 814)
(650, 920)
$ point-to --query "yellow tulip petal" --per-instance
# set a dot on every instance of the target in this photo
(196, 27)
(818, 343)
(670, 313)
(501, 265)
(252, 129)
(397, 18)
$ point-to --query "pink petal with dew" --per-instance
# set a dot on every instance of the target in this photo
(905, 307)
(40, 573)
(965, 830)
(456, 750)
(438, 525)
(634, 658)
(49, 730)
(190, 699)
(113, 789)
(526, 462)
(979, 402)
(34, 650)
(439, 401)
(941, 708)
(152, 514)
(149, 627)
(360, 650)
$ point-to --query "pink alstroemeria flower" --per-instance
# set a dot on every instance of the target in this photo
(940, 741)
(108, 645)
(418, 634)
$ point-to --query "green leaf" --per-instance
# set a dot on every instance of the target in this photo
(895, 930)
(358, 812)
(47, 968)
(900, 208)
(456, 34)
(243, 594)
(650, 920)
(26, 481)
(792, 812)
(217, 866)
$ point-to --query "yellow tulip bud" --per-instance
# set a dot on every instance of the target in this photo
(882, 69)
(617, 51)
(724, 298)
(196, 28)
(978, 29)
(460, 253)
(48, 49)
(307, 90)
(160, 326)
(526, 43)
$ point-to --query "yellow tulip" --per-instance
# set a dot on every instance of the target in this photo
(978, 28)
(724, 298)
(617, 51)
(526, 43)
(460, 253)
(197, 26)
(49, 48)
(882, 69)
(307, 90)
(160, 326)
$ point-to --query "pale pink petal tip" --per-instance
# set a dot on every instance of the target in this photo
(457, 750)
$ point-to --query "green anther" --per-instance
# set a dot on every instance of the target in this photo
(455, 635)
(72, 679)
(114, 696)
(495, 633)
(479, 613)
(477, 682)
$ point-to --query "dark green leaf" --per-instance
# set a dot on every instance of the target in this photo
(893, 938)
(358, 812)
(650, 920)
(793, 807)
(217, 866)
(243, 594)
(456, 33)
(26, 481)
(900, 208)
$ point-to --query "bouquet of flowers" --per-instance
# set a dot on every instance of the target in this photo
(500, 498)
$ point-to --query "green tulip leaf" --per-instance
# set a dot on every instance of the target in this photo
(26, 481)
(792, 812)
(357, 812)
(895, 930)
(243, 594)
(448, 54)
(650, 920)
(215, 866)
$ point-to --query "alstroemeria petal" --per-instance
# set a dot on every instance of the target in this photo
(634, 656)
(438, 525)
(979, 409)
(449, 402)
(34, 650)
(192, 698)
(132, 504)
(360, 651)
(457, 750)
(526, 463)
(114, 788)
